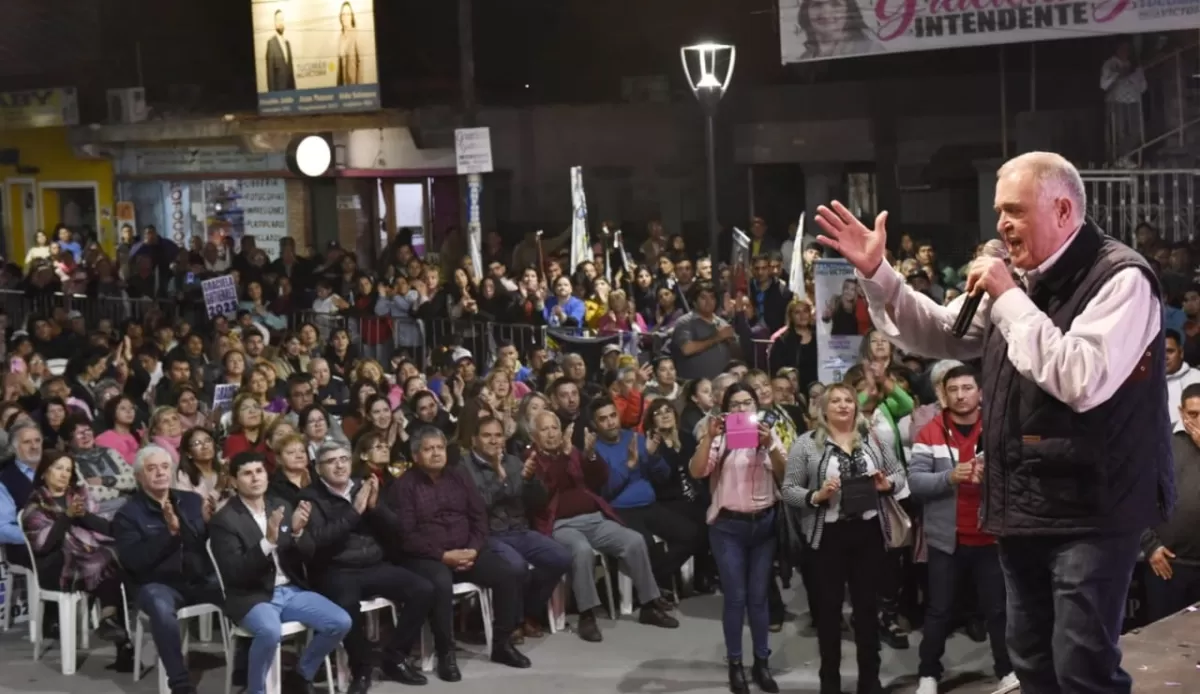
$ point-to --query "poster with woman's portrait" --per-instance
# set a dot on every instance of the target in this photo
(823, 29)
(314, 56)
(842, 318)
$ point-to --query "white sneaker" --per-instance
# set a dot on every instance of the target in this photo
(927, 685)
(1008, 684)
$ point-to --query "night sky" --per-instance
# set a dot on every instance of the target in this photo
(566, 51)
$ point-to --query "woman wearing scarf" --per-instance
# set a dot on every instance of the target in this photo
(72, 545)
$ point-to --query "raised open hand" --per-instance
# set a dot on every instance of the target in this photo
(861, 246)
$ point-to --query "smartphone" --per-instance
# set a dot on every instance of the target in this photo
(191, 278)
(17, 365)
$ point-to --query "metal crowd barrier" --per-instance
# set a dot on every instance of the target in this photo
(377, 337)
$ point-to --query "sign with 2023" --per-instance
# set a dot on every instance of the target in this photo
(825, 29)
(220, 295)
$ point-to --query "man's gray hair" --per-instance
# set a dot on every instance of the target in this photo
(19, 425)
(330, 447)
(1055, 177)
(143, 456)
(426, 432)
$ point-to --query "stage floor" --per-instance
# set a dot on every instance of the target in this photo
(1163, 657)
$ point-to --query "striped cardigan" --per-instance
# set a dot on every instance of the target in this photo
(805, 474)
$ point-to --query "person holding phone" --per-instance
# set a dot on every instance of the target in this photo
(741, 529)
(836, 478)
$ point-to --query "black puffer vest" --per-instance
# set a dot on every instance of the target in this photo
(1053, 471)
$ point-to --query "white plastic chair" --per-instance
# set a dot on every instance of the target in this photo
(11, 571)
(461, 590)
(626, 583)
(72, 612)
(203, 611)
(287, 629)
(371, 608)
(562, 595)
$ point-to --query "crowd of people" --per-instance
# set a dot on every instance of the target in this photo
(363, 454)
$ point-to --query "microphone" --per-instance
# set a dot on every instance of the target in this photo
(992, 249)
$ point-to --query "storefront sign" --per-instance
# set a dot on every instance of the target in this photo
(310, 58)
(264, 212)
(815, 30)
(215, 159)
(39, 108)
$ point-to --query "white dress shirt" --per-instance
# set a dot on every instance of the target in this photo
(1083, 367)
(268, 547)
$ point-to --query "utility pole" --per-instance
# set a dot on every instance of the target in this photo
(470, 112)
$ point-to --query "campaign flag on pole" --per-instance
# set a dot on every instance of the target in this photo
(796, 276)
(581, 246)
(740, 262)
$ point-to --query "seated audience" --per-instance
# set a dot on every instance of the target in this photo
(109, 478)
(254, 544)
(577, 516)
(509, 488)
(160, 535)
(73, 547)
(345, 558)
(443, 532)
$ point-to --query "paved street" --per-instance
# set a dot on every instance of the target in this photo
(632, 658)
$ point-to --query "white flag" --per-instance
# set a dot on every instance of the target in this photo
(796, 276)
(581, 246)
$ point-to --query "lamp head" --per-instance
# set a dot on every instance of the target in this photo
(713, 69)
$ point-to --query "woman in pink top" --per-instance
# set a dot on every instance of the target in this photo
(744, 484)
(120, 412)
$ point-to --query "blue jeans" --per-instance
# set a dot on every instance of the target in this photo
(744, 551)
(160, 602)
(329, 623)
(1066, 604)
(1165, 598)
(549, 559)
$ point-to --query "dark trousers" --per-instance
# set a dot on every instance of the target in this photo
(160, 602)
(550, 561)
(1165, 598)
(680, 533)
(851, 553)
(490, 571)
(745, 552)
(947, 574)
(411, 594)
(697, 511)
(1066, 603)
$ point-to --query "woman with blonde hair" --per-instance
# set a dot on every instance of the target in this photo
(622, 317)
(499, 383)
(166, 430)
(277, 430)
(795, 345)
(371, 371)
(528, 409)
(291, 473)
(837, 476)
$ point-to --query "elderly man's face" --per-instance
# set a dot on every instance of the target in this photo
(547, 432)
(156, 474)
(431, 456)
(1032, 221)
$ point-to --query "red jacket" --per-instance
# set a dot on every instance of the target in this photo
(592, 475)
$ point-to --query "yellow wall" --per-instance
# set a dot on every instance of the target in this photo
(48, 150)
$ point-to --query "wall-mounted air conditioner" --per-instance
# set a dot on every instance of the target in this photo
(127, 105)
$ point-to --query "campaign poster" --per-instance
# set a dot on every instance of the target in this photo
(827, 29)
(315, 56)
(842, 314)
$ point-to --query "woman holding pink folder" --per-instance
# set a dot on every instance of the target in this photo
(744, 462)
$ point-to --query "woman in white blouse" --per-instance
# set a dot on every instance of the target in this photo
(837, 475)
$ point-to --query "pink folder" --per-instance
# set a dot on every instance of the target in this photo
(741, 430)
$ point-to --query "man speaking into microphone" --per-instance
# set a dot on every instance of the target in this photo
(1077, 453)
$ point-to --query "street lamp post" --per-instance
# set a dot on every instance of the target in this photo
(709, 87)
